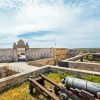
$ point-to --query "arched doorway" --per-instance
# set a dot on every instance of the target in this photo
(20, 49)
(21, 54)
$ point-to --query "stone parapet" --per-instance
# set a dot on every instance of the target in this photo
(11, 81)
(80, 65)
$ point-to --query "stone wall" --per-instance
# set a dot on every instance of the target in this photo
(77, 57)
(57, 69)
(8, 82)
(42, 62)
(38, 53)
(57, 55)
(6, 71)
(60, 53)
(11, 81)
(80, 65)
(42, 53)
(6, 55)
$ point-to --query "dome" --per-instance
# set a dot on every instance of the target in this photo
(21, 43)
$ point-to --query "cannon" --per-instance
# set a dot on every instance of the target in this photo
(96, 56)
(76, 83)
(73, 88)
(60, 93)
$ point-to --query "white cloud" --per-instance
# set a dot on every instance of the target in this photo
(32, 17)
(67, 22)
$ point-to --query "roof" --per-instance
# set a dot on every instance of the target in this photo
(21, 43)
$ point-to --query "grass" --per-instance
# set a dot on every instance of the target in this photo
(21, 92)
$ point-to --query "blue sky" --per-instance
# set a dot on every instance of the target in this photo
(70, 23)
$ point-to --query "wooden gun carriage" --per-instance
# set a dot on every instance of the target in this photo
(59, 92)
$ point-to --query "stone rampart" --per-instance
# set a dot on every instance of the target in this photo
(80, 65)
(42, 62)
(38, 53)
(11, 81)
(6, 55)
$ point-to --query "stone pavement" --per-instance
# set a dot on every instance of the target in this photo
(19, 65)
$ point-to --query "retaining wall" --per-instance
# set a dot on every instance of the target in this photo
(42, 62)
(80, 65)
(58, 69)
(11, 81)
(8, 82)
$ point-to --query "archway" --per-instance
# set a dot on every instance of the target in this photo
(21, 49)
(21, 54)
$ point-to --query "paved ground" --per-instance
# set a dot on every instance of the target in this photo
(19, 65)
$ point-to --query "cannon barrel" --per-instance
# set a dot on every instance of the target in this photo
(81, 84)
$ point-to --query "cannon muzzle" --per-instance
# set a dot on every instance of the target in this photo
(81, 84)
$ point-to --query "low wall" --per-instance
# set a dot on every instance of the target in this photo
(8, 82)
(77, 57)
(80, 65)
(58, 69)
(42, 62)
(11, 81)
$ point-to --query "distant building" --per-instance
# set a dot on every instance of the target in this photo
(21, 51)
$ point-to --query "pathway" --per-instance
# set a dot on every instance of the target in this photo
(19, 65)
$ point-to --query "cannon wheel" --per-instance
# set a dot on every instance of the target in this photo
(63, 96)
(56, 90)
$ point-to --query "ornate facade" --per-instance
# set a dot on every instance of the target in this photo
(21, 44)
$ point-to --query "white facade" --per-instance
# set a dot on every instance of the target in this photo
(12, 54)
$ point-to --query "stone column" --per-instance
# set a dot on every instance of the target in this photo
(15, 52)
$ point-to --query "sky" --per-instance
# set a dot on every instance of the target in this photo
(50, 23)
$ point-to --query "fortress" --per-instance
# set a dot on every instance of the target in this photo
(22, 51)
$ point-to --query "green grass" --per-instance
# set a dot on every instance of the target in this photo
(21, 92)
(57, 77)
(92, 78)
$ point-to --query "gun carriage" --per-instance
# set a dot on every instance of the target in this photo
(73, 89)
